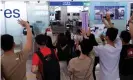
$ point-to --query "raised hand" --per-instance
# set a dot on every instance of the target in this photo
(108, 17)
(103, 19)
(102, 37)
(131, 19)
(88, 32)
(23, 23)
(131, 26)
(83, 32)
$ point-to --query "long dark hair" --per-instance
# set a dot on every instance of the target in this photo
(78, 32)
(92, 39)
(49, 43)
(68, 37)
(61, 40)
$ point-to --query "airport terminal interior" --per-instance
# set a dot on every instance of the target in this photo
(60, 16)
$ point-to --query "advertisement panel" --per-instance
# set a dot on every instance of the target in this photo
(118, 12)
(85, 20)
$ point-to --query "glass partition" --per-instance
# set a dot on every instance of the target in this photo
(13, 11)
(2, 19)
(38, 16)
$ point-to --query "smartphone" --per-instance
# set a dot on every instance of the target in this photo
(104, 32)
(127, 28)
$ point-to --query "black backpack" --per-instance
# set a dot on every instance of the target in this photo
(51, 68)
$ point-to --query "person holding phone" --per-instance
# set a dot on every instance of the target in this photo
(109, 54)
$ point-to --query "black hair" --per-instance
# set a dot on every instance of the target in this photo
(78, 31)
(49, 42)
(60, 35)
(86, 46)
(41, 39)
(62, 40)
(92, 39)
(77, 53)
(68, 36)
(105, 27)
(7, 42)
(112, 33)
(67, 33)
(125, 36)
(45, 33)
(27, 21)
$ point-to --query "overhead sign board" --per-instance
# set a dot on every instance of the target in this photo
(66, 3)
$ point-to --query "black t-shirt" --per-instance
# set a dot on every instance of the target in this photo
(126, 60)
(63, 54)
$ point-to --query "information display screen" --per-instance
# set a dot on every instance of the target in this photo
(66, 3)
(69, 3)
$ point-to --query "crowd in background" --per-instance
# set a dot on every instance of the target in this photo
(71, 57)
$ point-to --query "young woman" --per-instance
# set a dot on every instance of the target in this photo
(70, 43)
(49, 43)
(63, 51)
(96, 61)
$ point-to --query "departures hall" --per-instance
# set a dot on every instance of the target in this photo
(66, 39)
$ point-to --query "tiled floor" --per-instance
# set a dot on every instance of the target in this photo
(31, 76)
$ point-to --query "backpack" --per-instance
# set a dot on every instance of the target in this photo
(51, 67)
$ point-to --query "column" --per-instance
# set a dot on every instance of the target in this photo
(63, 14)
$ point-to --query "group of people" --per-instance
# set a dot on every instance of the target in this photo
(71, 59)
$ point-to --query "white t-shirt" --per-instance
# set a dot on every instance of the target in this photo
(109, 60)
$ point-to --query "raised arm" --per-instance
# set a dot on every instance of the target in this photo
(110, 24)
(131, 26)
(107, 21)
(28, 45)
